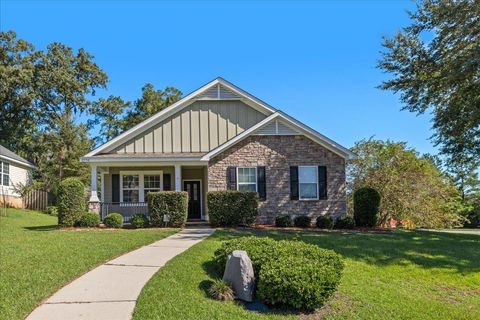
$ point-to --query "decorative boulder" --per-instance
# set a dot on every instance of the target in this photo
(239, 273)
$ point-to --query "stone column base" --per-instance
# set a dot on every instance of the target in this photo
(94, 206)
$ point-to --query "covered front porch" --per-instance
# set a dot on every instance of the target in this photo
(123, 187)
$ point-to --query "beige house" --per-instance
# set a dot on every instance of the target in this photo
(220, 137)
(14, 171)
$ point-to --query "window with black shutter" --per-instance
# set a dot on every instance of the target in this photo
(261, 183)
(232, 178)
(294, 183)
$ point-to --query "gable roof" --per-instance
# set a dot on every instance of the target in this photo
(12, 156)
(221, 89)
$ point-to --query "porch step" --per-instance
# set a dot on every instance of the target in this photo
(197, 223)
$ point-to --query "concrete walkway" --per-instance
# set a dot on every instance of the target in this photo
(110, 291)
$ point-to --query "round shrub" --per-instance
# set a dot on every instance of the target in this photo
(344, 222)
(324, 222)
(70, 201)
(297, 282)
(113, 220)
(138, 221)
(283, 221)
(89, 219)
(302, 221)
(366, 203)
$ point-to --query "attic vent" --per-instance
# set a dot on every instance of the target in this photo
(218, 92)
(276, 128)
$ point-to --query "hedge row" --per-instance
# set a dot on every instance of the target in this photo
(232, 208)
(323, 222)
(288, 273)
(173, 204)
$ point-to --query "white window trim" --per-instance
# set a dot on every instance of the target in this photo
(299, 184)
(244, 183)
(141, 187)
(9, 174)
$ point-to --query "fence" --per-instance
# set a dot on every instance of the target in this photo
(126, 209)
(36, 199)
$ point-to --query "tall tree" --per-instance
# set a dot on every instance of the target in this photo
(412, 186)
(435, 65)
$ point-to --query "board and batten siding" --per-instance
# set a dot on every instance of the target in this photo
(200, 127)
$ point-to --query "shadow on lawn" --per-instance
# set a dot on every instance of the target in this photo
(425, 249)
(43, 228)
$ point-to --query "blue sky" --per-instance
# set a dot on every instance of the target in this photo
(313, 60)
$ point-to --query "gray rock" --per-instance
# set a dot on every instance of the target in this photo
(239, 273)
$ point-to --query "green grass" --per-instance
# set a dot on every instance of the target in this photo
(36, 259)
(400, 275)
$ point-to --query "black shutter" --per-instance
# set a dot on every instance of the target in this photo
(167, 183)
(115, 188)
(322, 182)
(261, 185)
(294, 183)
(232, 178)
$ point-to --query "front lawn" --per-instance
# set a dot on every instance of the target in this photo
(400, 275)
(36, 259)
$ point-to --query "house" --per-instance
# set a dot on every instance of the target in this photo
(220, 137)
(14, 171)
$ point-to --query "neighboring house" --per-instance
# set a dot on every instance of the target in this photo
(14, 171)
(220, 137)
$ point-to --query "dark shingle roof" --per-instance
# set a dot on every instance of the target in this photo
(12, 155)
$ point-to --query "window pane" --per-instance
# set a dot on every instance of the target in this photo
(130, 195)
(247, 187)
(6, 180)
(307, 174)
(130, 181)
(1, 166)
(152, 181)
(246, 175)
(308, 190)
(6, 167)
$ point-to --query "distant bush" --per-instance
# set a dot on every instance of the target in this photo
(324, 222)
(288, 273)
(283, 220)
(232, 208)
(344, 222)
(138, 221)
(52, 210)
(89, 219)
(71, 201)
(366, 203)
(171, 203)
(113, 220)
(302, 221)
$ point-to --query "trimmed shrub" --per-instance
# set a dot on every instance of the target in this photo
(171, 203)
(258, 249)
(221, 290)
(52, 210)
(283, 221)
(232, 208)
(324, 222)
(89, 219)
(113, 220)
(289, 273)
(366, 203)
(302, 221)
(344, 222)
(71, 201)
(139, 221)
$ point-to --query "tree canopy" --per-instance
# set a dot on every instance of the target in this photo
(435, 66)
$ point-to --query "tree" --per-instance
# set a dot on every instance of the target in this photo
(411, 186)
(435, 66)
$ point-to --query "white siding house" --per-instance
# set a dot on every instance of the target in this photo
(14, 171)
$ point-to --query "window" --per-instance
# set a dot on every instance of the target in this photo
(308, 182)
(4, 173)
(130, 187)
(247, 179)
(151, 183)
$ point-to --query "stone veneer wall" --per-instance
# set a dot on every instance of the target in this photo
(277, 154)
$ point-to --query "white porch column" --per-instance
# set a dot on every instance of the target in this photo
(94, 202)
(178, 177)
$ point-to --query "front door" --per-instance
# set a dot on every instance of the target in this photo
(194, 194)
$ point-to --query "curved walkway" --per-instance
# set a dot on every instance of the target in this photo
(110, 291)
